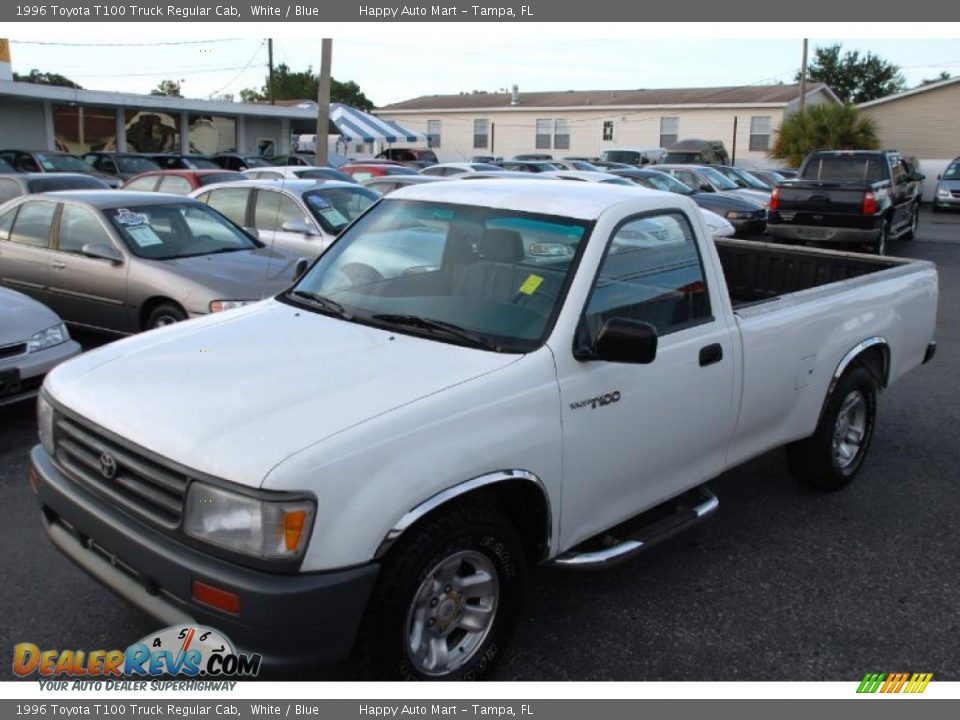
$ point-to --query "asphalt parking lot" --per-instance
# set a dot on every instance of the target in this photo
(783, 584)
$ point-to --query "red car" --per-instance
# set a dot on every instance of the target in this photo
(179, 182)
(361, 171)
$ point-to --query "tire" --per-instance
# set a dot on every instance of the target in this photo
(830, 458)
(881, 243)
(914, 224)
(465, 566)
(165, 314)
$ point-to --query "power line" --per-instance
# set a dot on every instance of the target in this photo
(237, 76)
(167, 72)
(146, 44)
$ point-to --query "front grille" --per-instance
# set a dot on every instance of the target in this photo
(955, 193)
(13, 350)
(123, 474)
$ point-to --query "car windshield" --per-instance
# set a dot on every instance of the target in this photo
(474, 275)
(722, 182)
(750, 180)
(662, 181)
(335, 208)
(202, 163)
(952, 172)
(323, 174)
(62, 163)
(176, 230)
(256, 161)
(211, 178)
(54, 183)
(135, 164)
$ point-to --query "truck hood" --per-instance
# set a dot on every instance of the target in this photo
(233, 395)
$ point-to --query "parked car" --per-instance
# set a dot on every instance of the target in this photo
(746, 216)
(491, 159)
(386, 185)
(52, 161)
(169, 161)
(528, 166)
(743, 178)
(361, 171)
(235, 161)
(405, 155)
(120, 165)
(293, 160)
(947, 194)
(124, 261)
(501, 174)
(447, 169)
(179, 182)
(574, 164)
(854, 197)
(471, 381)
(771, 177)
(299, 216)
(32, 341)
(607, 166)
(297, 172)
(533, 156)
(697, 152)
(705, 178)
(633, 156)
(18, 184)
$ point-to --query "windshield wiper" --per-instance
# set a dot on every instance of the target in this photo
(331, 307)
(437, 326)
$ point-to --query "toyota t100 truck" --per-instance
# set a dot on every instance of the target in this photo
(474, 378)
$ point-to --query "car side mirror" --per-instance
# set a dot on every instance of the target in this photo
(706, 187)
(917, 177)
(298, 226)
(626, 341)
(303, 264)
(102, 251)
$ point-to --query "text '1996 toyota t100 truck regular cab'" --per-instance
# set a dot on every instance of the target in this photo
(476, 377)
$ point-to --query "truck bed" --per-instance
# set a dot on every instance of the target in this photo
(760, 272)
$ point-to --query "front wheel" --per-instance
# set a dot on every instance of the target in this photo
(914, 224)
(166, 314)
(447, 599)
(831, 457)
(880, 244)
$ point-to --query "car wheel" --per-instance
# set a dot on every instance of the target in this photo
(914, 224)
(880, 244)
(446, 600)
(165, 314)
(831, 457)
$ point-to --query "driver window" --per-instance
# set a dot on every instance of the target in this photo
(273, 209)
(78, 226)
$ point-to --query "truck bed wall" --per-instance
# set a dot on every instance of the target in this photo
(761, 271)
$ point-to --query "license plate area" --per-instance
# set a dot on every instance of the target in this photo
(813, 233)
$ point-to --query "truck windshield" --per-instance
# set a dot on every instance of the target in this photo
(477, 276)
(841, 169)
(630, 157)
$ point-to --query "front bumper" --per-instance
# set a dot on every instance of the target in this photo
(946, 202)
(293, 621)
(749, 226)
(808, 233)
(33, 367)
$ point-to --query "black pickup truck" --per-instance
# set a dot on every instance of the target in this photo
(855, 197)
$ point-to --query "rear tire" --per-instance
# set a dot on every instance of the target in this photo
(446, 600)
(165, 314)
(831, 457)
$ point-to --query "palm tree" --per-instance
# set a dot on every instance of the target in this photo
(823, 127)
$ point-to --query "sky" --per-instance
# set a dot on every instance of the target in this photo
(394, 69)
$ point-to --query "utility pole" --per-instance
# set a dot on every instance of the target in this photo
(270, 64)
(323, 101)
(803, 78)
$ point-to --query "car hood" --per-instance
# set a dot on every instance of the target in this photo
(240, 275)
(233, 395)
(949, 184)
(21, 317)
(722, 202)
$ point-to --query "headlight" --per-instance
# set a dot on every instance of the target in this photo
(268, 529)
(48, 338)
(738, 215)
(45, 423)
(943, 192)
(221, 305)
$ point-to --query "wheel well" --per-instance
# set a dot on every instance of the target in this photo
(152, 304)
(876, 359)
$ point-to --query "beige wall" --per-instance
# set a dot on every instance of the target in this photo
(515, 130)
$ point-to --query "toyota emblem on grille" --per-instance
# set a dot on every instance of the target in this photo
(108, 466)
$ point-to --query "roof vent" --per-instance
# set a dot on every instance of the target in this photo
(515, 97)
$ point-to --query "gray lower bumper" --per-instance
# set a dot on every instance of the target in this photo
(806, 233)
(33, 367)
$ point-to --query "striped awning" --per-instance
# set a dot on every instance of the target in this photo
(357, 126)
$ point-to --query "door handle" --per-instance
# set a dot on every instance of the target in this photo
(57, 265)
(711, 354)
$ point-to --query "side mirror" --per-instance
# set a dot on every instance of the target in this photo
(917, 177)
(626, 341)
(303, 264)
(706, 187)
(302, 227)
(102, 251)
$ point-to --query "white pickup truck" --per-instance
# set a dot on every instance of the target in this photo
(476, 377)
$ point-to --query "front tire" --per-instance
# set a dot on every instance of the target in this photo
(447, 598)
(914, 224)
(880, 244)
(831, 457)
(165, 314)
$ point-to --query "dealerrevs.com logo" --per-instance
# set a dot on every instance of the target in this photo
(191, 651)
(909, 683)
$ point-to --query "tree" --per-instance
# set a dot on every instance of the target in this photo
(823, 127)
(290, 85)
(944, 75)
(170, 88)
(853, 77)
(45, 78)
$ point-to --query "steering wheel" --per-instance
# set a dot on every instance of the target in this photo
(361, 273)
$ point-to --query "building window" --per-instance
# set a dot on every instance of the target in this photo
(669, 131)
(544, 131)
(760, 132)
(81, 129)
(561, 134)
(481, 137)
(211, 134)
(608, 129)
(433, 133)
(152, 131)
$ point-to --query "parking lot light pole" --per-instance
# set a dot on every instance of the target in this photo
(803, 78)
(323, 101)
